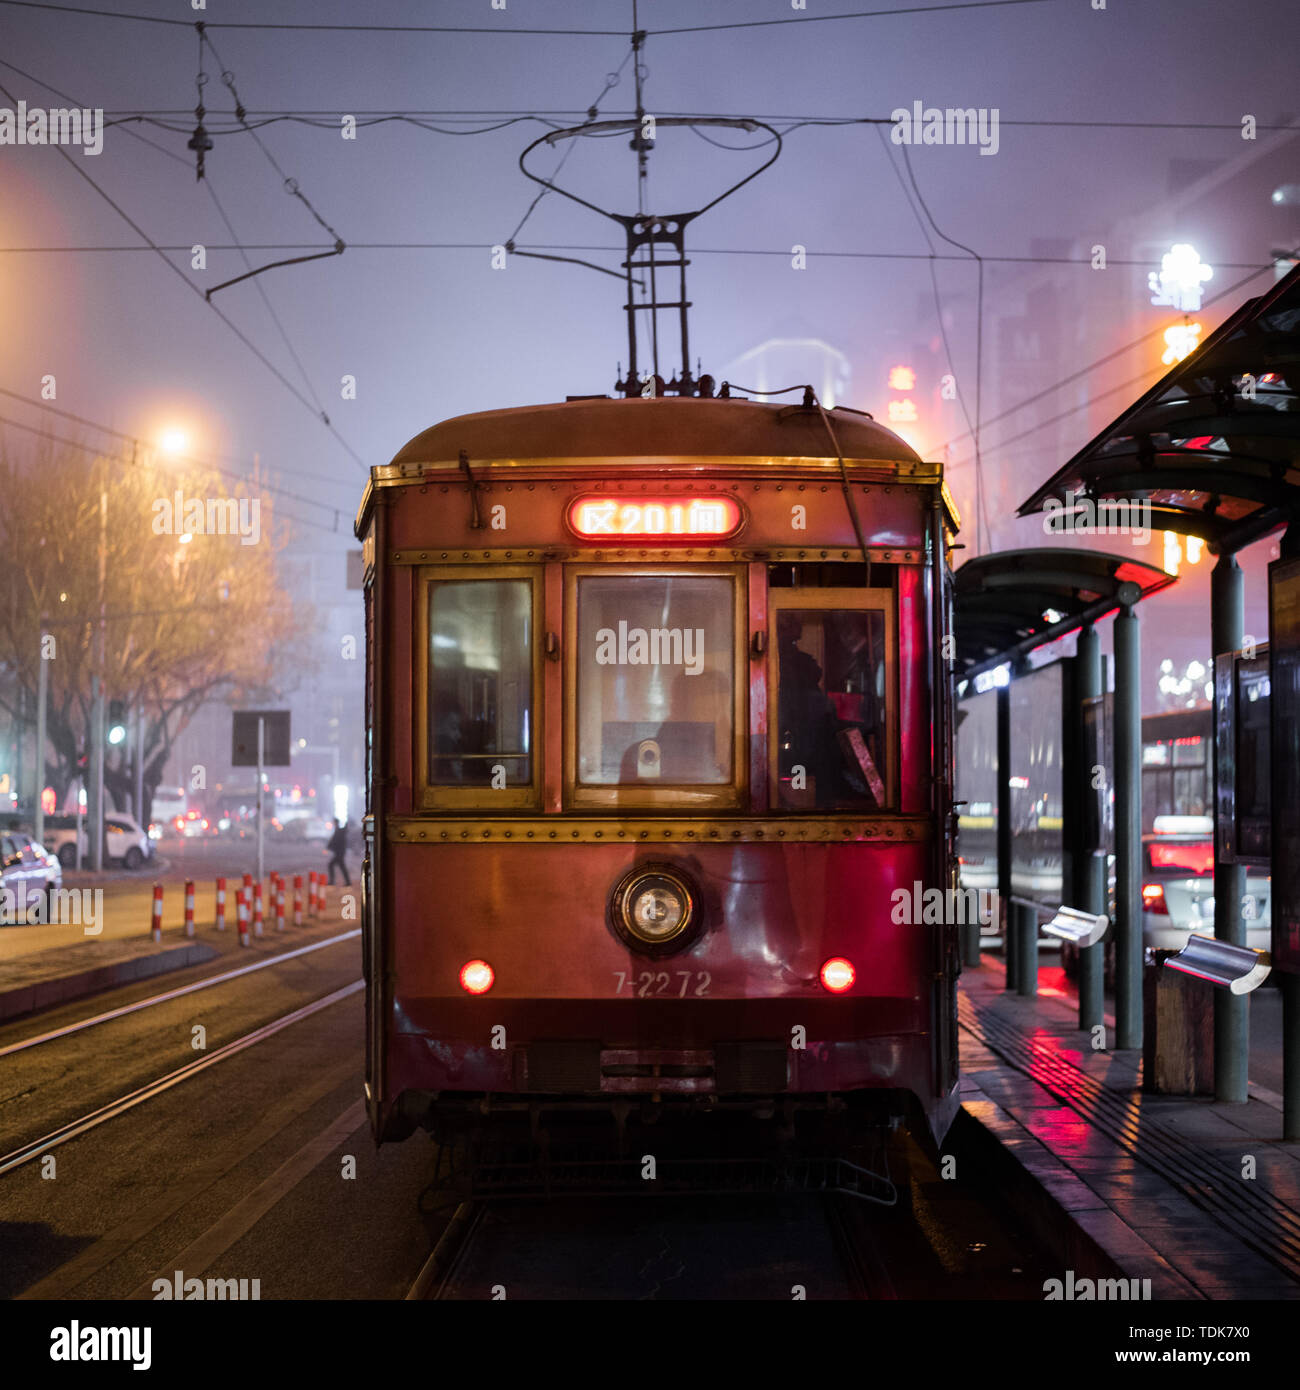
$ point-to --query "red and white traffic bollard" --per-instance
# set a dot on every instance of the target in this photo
(313, 901)
(189, 907)
(279, 903)
(221, 904)
(157, 912)
(257, 908)
(297, 900)
(241, 908)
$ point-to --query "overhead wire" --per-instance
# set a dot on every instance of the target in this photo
(981, 514)
(194, 289)
(139, 445)
(100, 453)
(981, 500)
(948, 6)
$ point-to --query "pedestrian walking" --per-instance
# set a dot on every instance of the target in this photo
(338, 848)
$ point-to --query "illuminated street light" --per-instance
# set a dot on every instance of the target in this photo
(173, 442)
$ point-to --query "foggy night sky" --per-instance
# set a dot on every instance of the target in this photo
(430, 334)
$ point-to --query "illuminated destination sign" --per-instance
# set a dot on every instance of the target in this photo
(685, 517)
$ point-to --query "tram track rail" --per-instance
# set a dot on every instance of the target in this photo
(856, 1246)
(74, 1128)
(155, 999)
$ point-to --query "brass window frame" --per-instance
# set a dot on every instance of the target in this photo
(430, 796)
(813, 599)
(731, 795)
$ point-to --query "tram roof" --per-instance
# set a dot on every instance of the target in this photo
(688, 431)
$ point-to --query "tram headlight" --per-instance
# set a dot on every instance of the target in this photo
(654, 909)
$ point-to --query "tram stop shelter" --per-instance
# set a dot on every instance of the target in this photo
(1213, 449)
(1006, 606)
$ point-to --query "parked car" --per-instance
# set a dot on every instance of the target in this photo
(61, 839)
(126, 843)
(307, 828)
(29, 874)
(1178, 893)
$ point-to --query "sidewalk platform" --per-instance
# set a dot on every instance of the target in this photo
(46, 979)
(1118, 1182)
(40, 981)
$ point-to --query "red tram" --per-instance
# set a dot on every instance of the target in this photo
(658, 726)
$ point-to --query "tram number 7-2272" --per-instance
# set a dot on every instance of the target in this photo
(650, 982)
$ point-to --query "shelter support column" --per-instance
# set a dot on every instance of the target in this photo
(1128, 828)
(1231, 1019)
(1284, 719)
(1004, 833)
(1089, 870)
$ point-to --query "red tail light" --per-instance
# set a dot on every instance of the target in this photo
(477, 977)
(838, 974)
(1153, 899)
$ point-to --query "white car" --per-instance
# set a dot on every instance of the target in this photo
(1178, 893)
(126, 843)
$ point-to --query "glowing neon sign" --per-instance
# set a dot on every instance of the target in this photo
(597, 517)
(902, 379)
(1178, 282)
(1180, 340)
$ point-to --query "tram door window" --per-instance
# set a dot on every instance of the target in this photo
(480, 659)
(831, 705)
(655, 681)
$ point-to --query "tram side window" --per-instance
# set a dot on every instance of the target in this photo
(655, 680)
(830, 708)
(480, 683)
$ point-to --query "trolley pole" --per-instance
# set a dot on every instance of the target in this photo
(1231, 1019)
(1089, 866)
(1128, 828)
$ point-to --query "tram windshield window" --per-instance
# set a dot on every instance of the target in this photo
(480, 682)
(655, 680)
(830, 707)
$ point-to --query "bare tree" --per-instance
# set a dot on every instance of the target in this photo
(187, 617)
